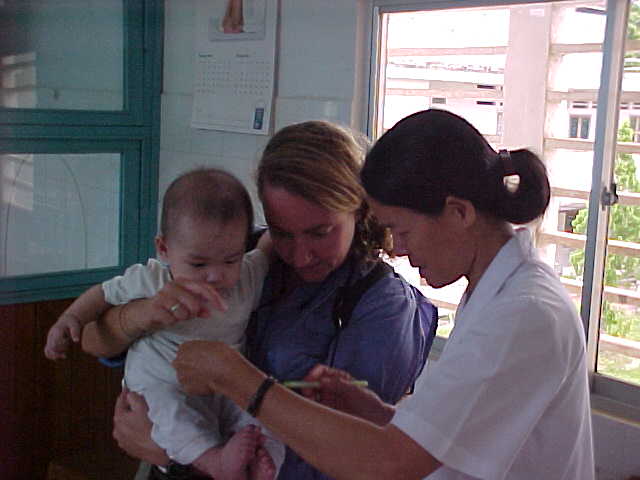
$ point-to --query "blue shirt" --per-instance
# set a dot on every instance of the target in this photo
(386, 341)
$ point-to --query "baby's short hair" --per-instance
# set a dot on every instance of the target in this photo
(205, 193)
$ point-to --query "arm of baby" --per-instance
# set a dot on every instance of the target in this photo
(68, 328)
(120, 326)
(115, 330)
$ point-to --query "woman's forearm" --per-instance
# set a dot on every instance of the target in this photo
(112, 333)
(340, 445)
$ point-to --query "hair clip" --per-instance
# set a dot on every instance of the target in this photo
(510, 179)
(507, 164)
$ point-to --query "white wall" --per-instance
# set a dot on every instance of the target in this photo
(322, 58)
(316, 79)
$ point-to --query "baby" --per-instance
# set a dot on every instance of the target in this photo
(206, 220)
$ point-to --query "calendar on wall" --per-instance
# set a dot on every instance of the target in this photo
(234, 65)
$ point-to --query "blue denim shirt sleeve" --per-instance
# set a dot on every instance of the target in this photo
(388, 337)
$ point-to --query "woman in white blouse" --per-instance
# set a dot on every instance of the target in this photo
(508, 398)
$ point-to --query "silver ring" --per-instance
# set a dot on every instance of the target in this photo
(174, 308)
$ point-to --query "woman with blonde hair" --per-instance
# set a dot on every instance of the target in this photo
(327, 300)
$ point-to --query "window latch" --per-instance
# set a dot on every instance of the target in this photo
(610, 196)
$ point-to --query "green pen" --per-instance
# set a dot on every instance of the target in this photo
(302, 384)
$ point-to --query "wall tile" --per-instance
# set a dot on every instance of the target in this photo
(631, 447)
(608, 440)
(317, 48)
(207, 142)
(291, 110)
(175, 129)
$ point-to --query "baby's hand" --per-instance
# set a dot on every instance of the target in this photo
(66, 330)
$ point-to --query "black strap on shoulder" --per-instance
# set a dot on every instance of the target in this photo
(349, 295)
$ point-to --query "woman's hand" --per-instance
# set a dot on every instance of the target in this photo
(132, 429)
(203, 367)
(326, 394)
(337, 391)
(177, 301)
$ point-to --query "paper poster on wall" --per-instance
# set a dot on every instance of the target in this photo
(234, 65)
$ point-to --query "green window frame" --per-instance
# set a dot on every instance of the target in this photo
(132, 132)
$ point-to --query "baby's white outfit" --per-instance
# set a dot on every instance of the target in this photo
(185, 426)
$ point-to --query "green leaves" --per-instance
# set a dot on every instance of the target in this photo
(624, 224)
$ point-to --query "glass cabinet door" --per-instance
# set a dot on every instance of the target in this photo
(80, 84)
(59, 211)
(62, 55)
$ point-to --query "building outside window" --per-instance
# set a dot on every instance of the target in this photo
(543, 63)
(500, 123)
(634, 124)
(579, 126)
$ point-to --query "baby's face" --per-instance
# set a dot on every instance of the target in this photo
(205, 250)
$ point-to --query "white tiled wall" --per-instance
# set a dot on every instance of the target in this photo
(617, 448)
(315, 79)
(320, 75)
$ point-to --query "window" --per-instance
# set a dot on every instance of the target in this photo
(79, 115)
(550, 57)
(579, 126)
(634, 124)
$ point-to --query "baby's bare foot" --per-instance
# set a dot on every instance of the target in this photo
(261, 467)
(230, 461)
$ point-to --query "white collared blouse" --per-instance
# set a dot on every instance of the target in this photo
(508, 398)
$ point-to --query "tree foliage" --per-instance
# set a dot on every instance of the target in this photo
(633, 27)
(624, 224)
(631, 60)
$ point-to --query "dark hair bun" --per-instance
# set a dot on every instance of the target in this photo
(433, 154)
